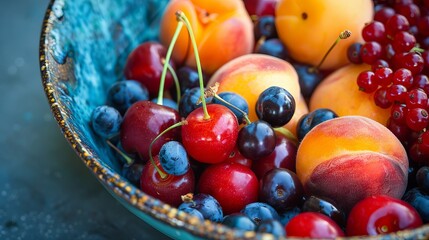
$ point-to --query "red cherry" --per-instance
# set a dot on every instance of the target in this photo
(232, 184)
(313, 225)
(381, 214)
(236, 157)
(143, 121)
(144, 64)
(168, 189)
(283, 156)
(210, 140)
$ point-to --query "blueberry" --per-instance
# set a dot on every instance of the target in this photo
(193, 211)
(106, 121)
(353, 53)
(133, 173)
(285, 217)
(121, 95)
(188, 78)
(273, 47)
(259, 211)
(239, 221)
(272, 226)
(315, 204)
(310, 120)
(167, 102)
(422, 178)
(173, 158)
(419, 199)
(256, 140)
(265, 27)
(308, 79)
(276, 106)
(188, 102)
(236, 100)
(281, 189)
(207, 205)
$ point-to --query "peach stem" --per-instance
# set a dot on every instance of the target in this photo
(181, 17)
(343, 35)
(167, 59)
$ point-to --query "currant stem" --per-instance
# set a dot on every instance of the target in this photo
(181, 17)
(128, 160)
(167, 60)
(175, 78)
(161, 173)
(343, 35)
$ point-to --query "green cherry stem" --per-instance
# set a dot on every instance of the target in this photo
(175, 78)
(167, 59)
(161, 173)
(128, 160)
(181, 17)
(343, 35)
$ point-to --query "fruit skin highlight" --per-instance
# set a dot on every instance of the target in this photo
(339, 93)
(223, 31)
(308, 28)
(251, 74)
(349, 158)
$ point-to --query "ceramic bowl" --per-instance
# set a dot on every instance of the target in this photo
(83, 48)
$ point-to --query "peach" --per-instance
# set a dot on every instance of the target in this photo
(251, 74)
(308, 28)
(223, 31)
(346, 159)
(340, 93)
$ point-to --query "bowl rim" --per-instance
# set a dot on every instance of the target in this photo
(125, 190)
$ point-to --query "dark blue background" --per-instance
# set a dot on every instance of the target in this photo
(46, 192)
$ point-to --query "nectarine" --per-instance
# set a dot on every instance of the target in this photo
(223, 31)
(340, 93)
(308, 28)
(346, 159)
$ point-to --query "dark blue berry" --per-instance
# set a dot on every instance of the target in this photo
(239, 221)
(173, 158)
(192, 211)
(265, 27)
(236, 100)
(207, 205)
(422, 178)
(273, 47)
(276, 106)
(121, 95)
(188, 78)
(419, 199)
(106, 121)
(133, 173)
(189, 100)
(281, 189)
(353, 53)
(285, 217)
(310, 120)
(308, 79)
(315, 204)
(256, 140)
(259, 211)
(272, 226)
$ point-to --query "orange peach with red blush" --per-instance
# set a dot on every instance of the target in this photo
(349, 158)
(251, 74)
(223, 30)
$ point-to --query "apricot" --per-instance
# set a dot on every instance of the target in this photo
(340, 93)
(223, 30)
(308, 28)
(346, 159)
(251, 74)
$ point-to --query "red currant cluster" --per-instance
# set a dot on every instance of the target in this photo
(396, 44)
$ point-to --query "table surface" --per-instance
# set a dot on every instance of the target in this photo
(46, 192)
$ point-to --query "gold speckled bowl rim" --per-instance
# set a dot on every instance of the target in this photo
(132, 195)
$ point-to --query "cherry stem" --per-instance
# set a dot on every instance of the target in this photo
(181, 17)
(286, 132)
(128, 160)
(161, 173)
(176, 80)
(167, 60)
(343, 35)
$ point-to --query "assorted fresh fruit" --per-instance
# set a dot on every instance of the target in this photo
(298, 119)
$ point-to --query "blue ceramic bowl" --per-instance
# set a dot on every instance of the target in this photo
(83, 48)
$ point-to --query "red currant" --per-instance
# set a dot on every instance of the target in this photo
(380, 98)
(417, 119)
(416, 98)
(370, 52)
(403, 77)
(395, 24)
(403, 41)
(383, 76)
(396, 93)
(366, 82)
(374, 31)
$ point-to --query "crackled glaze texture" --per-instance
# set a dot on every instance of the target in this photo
(83, 47)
